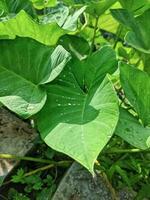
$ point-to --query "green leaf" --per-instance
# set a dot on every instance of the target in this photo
(22, 25)
(61, 16)
(70, 23)
(138, 37)
(95, 7)
(102, 61)
(136, 85)
(76, 123)
(132, 131)
(99, 7)
(76, 45)
(22, 72)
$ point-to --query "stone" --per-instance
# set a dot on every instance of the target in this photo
(16, 137)
(78, 184)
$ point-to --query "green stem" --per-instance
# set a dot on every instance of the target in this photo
(15, 157)
(127, 151)
(94, 35)
(118, 33)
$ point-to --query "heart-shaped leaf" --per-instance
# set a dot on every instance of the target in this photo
(24, 65)
(136, 84)
(132, 131)
(80, 123)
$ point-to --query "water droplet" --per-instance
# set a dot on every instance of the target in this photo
(69, 104)
(59, 104)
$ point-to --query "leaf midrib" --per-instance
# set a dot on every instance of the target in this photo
(20, 77)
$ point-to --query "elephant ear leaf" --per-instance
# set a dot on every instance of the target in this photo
(136, 85)
(24, 65)
(76, 122)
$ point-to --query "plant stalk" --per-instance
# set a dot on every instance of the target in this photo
(126, 151)
(94, 35)
(32, 159)
(15, 157)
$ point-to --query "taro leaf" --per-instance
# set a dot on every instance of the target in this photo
(138, 37)
(76, 45)
(76, 123)
(132, 131)
(24, 65)
(61, 16)
(22, 25)
(57, 14)
(70, 23)
(102, 61)
(136, 85)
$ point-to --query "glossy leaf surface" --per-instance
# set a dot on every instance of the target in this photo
(76, 123)
(24, 65)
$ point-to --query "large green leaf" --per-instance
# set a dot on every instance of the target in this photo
(76, 123)
(136, 85)
(22, 25)
(24, 65)
(138, 37)
(102, 61)
(132, 131)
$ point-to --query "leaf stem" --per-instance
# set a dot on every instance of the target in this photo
(32, 159)
(94, 35)
(127, 151)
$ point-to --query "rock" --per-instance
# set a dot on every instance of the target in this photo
(78, 184)
(16, 137)
(126, 194)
